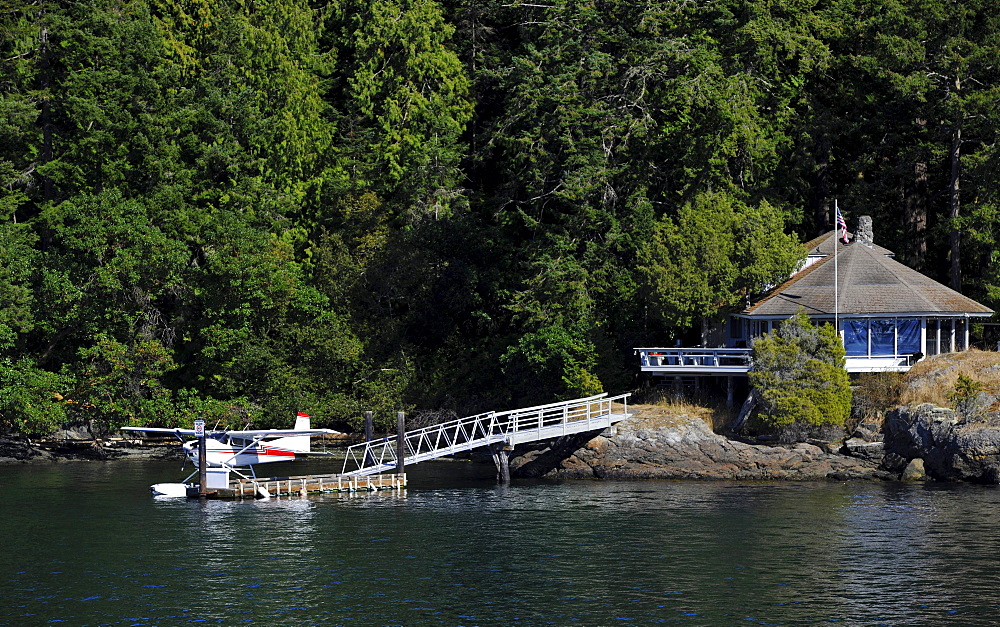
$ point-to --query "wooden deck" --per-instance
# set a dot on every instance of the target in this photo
(695, 361)
(303, 485)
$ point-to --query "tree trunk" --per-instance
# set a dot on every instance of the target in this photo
(46, 114)
(915, 207)
(955, 270)
(819, 205)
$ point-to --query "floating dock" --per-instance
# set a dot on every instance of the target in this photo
(301, 486)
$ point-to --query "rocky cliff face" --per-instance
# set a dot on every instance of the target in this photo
(656, 445)
(951, 448)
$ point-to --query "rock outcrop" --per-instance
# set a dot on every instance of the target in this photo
(22, 450)
(951, 448)
(19, 450)
(656, 445)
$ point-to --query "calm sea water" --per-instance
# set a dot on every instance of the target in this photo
(85, 544)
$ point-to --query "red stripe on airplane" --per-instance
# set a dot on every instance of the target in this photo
(258, 452)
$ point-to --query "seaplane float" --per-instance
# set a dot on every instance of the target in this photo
(232, 451)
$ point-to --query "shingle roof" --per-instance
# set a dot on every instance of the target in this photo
(869, 282)
(823, 245)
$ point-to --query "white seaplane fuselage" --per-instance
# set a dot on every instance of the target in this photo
(225, 450)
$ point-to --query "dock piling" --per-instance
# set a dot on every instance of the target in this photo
(400, 441)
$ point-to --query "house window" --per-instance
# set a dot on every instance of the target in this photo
(759, 328)
(881, 337)
(907, 337)
(856, 338)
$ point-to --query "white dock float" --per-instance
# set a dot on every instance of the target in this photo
(301, 485)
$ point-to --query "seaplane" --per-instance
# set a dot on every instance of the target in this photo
(235, 451)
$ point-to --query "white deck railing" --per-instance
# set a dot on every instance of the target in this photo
(464, 434)
(694, 360)
(730, 361)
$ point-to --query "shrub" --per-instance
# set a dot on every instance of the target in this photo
(969, 399)
(30, 403)
(798, 374)
(877, 393)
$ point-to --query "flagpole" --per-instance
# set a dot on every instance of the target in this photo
(836, 241)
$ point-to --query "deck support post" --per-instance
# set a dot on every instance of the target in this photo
(369, 436)
(501, 457)
(729, 391)
(202, 467)
(400, 441)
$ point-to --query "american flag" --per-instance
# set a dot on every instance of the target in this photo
(843, 226)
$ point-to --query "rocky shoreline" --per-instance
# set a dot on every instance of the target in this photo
(916, 443)
(660, 442)
(941, 443)
(52, 450)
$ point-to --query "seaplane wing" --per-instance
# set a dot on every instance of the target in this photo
(160, 430)
(275, 433)
(255, 434)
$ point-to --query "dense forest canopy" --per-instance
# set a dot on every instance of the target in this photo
(238, 209)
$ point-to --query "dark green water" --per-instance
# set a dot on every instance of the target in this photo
(85, 544)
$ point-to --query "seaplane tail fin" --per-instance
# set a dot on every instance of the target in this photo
(301, 421)
(298, 443)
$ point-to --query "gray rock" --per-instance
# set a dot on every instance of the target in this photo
(868, 433)
(914, 471)
(950, 448)
(687, 449)
(871, 451)
(19, 450)
(79, 433)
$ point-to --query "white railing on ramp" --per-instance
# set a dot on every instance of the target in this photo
(512, 427)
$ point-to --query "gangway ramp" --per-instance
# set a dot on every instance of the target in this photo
(513, 427)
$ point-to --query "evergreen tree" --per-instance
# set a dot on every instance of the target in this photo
(716, 256)
(798, 374)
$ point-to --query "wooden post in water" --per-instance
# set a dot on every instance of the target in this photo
(501, 457)
(369, 436)
(199, 432)
(400, 444)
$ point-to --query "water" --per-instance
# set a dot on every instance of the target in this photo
(85, 544)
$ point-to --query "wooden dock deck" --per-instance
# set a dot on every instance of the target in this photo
(302, 485)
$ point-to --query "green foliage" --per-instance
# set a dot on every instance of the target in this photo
(968, 398)
(241, 209)
(17, 258)
(404, 103)
(716, 254)
(798, 374)
(30, 402)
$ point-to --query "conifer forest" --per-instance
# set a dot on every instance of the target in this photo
(240, 209)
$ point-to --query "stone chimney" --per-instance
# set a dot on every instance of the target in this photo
(864, 233)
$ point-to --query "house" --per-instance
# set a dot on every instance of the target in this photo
(888, 315)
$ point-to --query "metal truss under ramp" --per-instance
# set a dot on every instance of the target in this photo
(507, 428)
